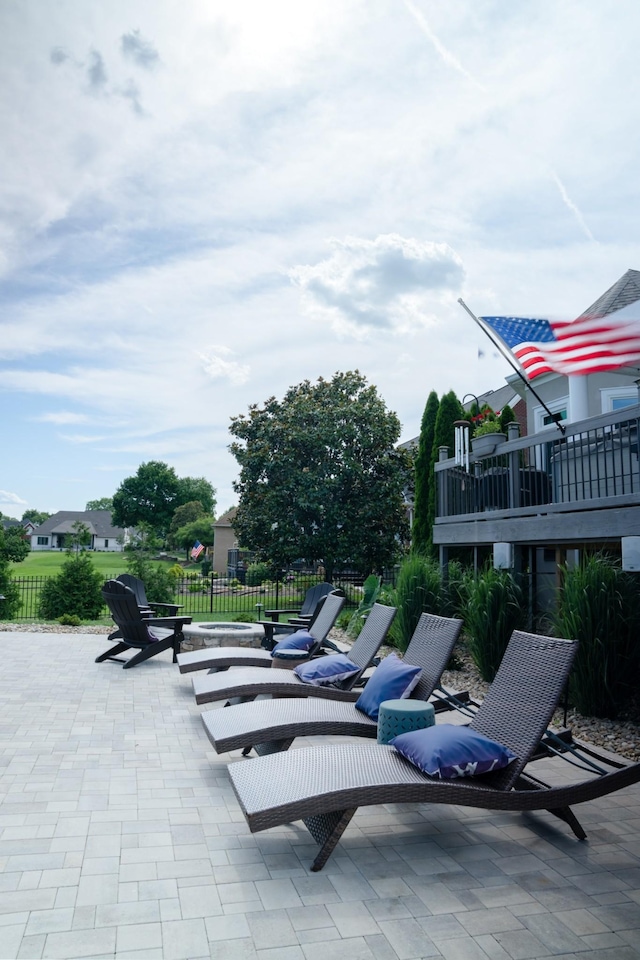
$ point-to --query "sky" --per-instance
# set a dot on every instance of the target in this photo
(205, 203)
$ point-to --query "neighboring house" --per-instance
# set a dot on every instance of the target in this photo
(536, 501)
(223, 541)
(27, 527)
(56, 532)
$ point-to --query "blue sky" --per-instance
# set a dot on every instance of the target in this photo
(205, 203)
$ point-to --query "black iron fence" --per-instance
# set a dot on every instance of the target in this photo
(199, 595)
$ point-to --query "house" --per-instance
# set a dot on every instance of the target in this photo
(56, 532)
(27, 527)
(223, 541)
(572, 483)
(500, 398)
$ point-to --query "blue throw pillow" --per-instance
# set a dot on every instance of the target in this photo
(393, 679)
(300, 640)
(447, 751)
(331, 669)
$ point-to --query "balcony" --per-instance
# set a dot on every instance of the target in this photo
(583, 485)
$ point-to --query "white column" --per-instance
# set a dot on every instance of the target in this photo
(578, 399)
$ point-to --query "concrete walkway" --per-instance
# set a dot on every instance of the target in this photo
(120, 837)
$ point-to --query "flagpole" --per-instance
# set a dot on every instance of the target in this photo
(507, 356)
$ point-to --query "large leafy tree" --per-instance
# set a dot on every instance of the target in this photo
(320, 477)
(36, 516)
(152, 496)
(424, 478)
(190, 523)
(187, 513)
(103, 503)
(149, 497)
(200, 529)
(197, 488)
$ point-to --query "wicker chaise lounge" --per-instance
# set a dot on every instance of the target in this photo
(250, 682)
(272, 725)
(324, 785)
(221, 658)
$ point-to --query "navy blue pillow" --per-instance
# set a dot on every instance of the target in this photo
(300, 640)
(393, 679)
(447, 751)
(329, 669)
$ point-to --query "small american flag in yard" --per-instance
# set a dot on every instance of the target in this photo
(196, 550)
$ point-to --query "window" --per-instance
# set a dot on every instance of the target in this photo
(106, 544)
(552, 418)
(542, 418)
(616, 398)
(43, 541)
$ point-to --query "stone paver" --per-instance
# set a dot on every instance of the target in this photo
(120, 837)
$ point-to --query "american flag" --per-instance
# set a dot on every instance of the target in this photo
(585, 345)
(196, 550)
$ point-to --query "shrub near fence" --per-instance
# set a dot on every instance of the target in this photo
(206, 595)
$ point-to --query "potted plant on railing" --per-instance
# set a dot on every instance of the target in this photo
(487, 436)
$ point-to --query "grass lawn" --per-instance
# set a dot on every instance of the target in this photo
(48, 563)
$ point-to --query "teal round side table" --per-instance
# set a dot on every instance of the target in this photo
(400, 716)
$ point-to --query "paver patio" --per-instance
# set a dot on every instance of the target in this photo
(120, 837)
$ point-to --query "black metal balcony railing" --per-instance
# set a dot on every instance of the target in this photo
(594, 460)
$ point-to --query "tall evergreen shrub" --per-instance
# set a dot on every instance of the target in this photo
(599, 605)
(75, 591)
(449, 410)
(506, 417)
(421, 533)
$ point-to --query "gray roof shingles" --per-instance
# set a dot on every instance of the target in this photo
(98, 522)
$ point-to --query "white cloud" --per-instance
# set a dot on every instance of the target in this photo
(11, 499)
(390, 283)
(79, 438)
(217, 367)
(63, 417)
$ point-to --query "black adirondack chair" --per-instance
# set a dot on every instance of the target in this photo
(150, 635)
(137, 585)
(309, 604)
(302, 616)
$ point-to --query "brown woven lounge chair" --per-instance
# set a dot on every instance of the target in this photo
(272, 725)
(221, 658)
(324, 785)
(250, 682)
